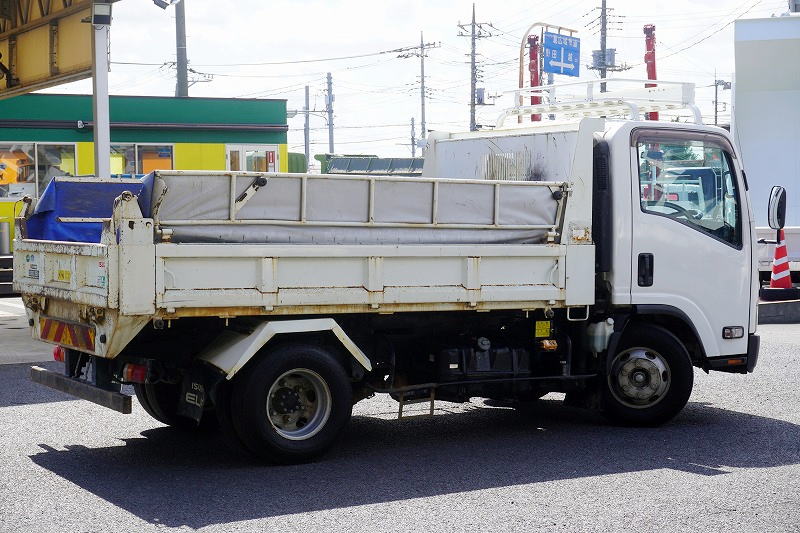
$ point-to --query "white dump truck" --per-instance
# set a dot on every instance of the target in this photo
(556, 257)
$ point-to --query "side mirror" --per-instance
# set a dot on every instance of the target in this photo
(777, 207)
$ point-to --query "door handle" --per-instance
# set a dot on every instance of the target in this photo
(645, 270)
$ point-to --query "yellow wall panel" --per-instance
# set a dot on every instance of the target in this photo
(186, 156)
(8, 210)
(283, 156)
(31, 24)
(199, 156)
(85, 155)
(73, 41)
(33, 61)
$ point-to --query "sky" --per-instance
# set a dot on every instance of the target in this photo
(272, 49)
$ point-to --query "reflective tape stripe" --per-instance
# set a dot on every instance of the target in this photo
(780, 275)
(68, 334)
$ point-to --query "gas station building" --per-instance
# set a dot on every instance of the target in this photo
(47, 135)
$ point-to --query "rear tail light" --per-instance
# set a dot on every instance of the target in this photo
(133, 373)
(59, 353)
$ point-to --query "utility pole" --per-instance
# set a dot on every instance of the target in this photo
(421, 88)
(473, 78)
(476, 32)
(307, 130)
(329, 107)
(604, 60)
(413, 139)
(717, 84)
(414, 51)
(603, 35)
(182, 63)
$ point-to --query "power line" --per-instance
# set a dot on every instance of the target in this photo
(266, 63)
(709, 35)
(365, 141)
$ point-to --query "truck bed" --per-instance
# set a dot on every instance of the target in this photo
(136, 272)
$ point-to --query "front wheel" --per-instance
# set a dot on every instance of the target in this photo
(292, 404)
(649, 379)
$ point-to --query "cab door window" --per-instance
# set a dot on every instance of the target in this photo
(691, 182)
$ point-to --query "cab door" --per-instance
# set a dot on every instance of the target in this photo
(690, 246)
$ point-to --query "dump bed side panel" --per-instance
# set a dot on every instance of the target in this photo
(224, 279)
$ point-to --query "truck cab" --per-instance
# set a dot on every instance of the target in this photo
(683, 239)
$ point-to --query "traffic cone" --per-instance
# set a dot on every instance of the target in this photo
(781, 277)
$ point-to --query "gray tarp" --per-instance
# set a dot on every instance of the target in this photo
(335, 199)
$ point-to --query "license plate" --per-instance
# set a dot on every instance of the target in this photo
(78, 336)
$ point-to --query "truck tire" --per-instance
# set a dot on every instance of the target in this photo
(292, 404)
(160, 400)
(649, 379)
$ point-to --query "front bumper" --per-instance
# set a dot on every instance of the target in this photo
(739, 364)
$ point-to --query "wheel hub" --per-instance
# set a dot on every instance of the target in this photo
(639, 377)
(286, 401)
(299, 404)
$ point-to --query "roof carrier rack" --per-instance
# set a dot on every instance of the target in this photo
(630, 101)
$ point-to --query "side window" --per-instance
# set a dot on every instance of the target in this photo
(693, 183)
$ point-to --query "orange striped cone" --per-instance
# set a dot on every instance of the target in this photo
(781, 277)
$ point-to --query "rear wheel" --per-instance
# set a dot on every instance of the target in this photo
(649, 379)
(292, 404)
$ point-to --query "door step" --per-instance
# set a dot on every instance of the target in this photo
(403, 402)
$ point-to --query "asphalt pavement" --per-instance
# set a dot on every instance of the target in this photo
(729, 462)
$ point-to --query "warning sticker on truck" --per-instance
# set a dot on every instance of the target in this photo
(32, 264)
(542, 329)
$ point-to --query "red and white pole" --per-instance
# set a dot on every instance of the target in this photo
(650, 61)
(533, 67)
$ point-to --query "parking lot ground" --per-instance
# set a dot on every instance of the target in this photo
(16, 345)
(729, 462)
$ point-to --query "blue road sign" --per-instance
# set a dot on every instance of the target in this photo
(562, 54)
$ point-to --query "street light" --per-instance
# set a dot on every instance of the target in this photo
(164, 4)
(101, 14)
(101, 24)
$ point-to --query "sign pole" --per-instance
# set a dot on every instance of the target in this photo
(102, 122)
(533, 52)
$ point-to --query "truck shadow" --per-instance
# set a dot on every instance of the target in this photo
(178, 479)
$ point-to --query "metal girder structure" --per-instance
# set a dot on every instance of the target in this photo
(43, 43)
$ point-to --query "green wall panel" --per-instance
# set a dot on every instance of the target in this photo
(145, 109)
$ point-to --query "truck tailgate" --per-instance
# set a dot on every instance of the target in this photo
(73, 272)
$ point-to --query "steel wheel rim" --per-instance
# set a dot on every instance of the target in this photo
(298, 404)
(640, 378)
